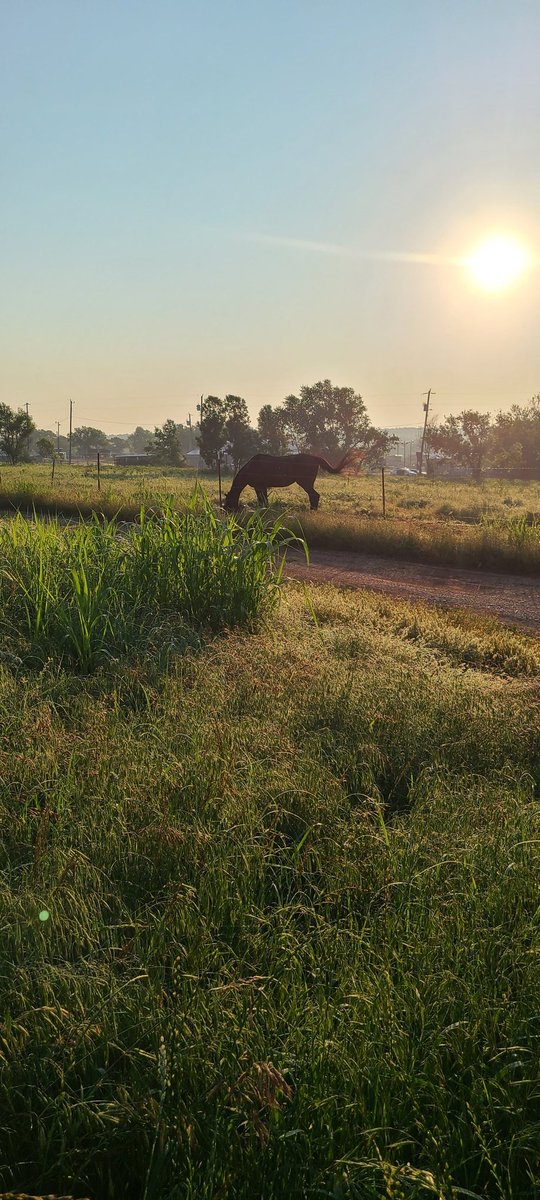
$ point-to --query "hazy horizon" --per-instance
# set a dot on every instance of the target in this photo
(246, 199)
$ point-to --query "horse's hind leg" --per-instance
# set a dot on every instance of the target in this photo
(313, 499)
(312, 495)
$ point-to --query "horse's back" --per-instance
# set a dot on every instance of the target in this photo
(276, 470)
(279, 460)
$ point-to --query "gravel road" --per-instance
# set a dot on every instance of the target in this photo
(514, 599)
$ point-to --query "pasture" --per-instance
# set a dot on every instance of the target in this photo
(270, 906)
(494, 524)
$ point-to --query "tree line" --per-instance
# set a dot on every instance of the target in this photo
(473, 440)
(323, 419)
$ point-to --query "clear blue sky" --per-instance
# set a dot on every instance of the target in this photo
(176, 176)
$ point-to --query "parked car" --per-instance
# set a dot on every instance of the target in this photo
(406, 471)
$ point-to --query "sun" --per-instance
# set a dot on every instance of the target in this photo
(497, 263)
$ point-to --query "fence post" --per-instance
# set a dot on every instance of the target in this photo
(383, 493)
(219, 475)
(98, 474)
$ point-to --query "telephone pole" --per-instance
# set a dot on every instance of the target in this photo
(426, 410)
(70, 428)
(58, 437)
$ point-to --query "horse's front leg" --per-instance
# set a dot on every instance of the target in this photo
(262, 497)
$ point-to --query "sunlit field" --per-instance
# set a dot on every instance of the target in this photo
(270, 910)
(494, 524)
(350, 496)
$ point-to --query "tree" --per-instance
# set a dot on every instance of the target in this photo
(212, 436)
(516, 436)
(329, 420)
(86, 440)
(45, 447)
(186, 437)
(118, 444)
(242, 440)
(15, 430)
(166, 448)
(138, 440)
(464, 439)
(271, 427)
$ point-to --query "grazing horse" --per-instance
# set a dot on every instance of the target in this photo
(271, 470)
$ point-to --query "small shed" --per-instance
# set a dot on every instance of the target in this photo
(132, 460)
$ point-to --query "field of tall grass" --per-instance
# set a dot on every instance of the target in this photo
(270, 910)
(87, 592)
(494, 524)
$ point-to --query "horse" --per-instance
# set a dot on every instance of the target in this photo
(270, 470)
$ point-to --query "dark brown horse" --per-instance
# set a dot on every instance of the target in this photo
(270, 470)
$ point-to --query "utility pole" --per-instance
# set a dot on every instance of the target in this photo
(28, 432)
(200, 409)
(426, 410)
(58, 437)
(70, 428)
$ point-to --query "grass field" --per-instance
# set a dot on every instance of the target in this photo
(270, 910)
(353, 496)
(495, 524)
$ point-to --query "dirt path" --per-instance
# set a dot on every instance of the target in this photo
(514, 599)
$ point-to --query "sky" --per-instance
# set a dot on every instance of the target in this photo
(221, 196)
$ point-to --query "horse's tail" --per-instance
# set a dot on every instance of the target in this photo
(350, 459)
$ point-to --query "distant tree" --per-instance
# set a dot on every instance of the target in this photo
(271, 428)
(212, 436)
(15, 431)
(118, 444)
(166, 448)
(516, 436)
(464, 440)
(242, 440)
(138, 440)
(37, 434)
(45, 447)
(330, 419)
(86, 440)
(186, 437)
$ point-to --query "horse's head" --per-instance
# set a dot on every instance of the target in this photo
(230, 502)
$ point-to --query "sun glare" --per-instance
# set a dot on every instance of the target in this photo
(497, 263)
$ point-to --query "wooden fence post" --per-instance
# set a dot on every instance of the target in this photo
(383, 493)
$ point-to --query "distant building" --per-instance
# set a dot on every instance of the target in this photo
(132, 460)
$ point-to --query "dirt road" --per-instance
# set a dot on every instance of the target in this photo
(514, 599)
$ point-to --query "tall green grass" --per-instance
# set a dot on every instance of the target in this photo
(89, 592)
(291, 936)
(494, 524)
